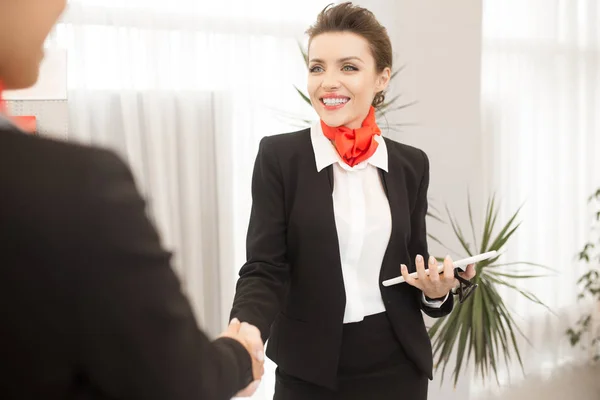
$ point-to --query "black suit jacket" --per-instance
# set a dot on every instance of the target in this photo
(292, 286)
(90, 307)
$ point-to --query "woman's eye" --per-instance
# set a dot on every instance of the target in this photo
(315, 69)
(348, 68)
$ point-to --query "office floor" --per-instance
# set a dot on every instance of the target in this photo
(573, 383)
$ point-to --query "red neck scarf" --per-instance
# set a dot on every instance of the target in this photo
(354, 145)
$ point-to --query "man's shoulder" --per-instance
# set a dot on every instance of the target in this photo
(53, 168)
(55, 190)
(56, 155)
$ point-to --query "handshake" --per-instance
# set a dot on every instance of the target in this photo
(249, 336)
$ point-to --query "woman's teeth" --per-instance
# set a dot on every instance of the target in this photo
(334, 101)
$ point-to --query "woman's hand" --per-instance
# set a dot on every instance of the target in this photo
(435, 285)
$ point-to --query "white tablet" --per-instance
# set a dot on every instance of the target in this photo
(459, 264)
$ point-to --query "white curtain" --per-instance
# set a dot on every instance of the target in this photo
(170, 140)
(541, 128)
(184, 90)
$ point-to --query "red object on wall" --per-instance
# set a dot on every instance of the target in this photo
(27, 123)
(2, 102)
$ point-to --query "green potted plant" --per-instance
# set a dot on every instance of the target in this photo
(590, 288)
(482, 329)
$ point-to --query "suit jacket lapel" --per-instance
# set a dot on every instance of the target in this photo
(394, 185)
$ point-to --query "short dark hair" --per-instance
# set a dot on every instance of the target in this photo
(347, 17)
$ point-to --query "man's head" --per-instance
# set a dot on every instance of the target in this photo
(24, 26)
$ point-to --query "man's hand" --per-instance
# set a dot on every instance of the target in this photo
(249, 336)
(436, 285)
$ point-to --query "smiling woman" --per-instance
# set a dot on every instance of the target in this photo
(349, 67)
(336, 210)
(343, 74)
(345, 82)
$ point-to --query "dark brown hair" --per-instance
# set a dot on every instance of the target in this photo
(346, 17)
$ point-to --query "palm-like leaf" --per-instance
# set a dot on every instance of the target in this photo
(304, 54)
(482, 330)
(304, 97)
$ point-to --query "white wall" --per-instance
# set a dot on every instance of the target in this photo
(440, 43)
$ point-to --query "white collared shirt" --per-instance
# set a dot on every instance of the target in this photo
(363, 221)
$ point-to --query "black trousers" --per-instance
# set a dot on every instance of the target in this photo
(373, 366)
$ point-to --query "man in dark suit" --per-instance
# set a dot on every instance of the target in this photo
(90, 305)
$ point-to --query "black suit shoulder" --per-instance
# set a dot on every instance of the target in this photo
(405, 152)
(17, 145)
(288, 144)
(61, 189)
(402, 147)
(49, 184)
(287, 154)
(412, 160)
(66, 164)
(288, 138)
(87, 282)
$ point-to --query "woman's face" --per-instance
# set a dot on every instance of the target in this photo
(342, 78)
(24, 26)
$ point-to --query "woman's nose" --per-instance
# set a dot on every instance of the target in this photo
(330, 82)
